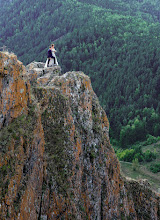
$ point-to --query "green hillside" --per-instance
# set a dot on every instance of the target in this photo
(143, 169)
(116, 43)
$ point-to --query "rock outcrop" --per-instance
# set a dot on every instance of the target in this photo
(13, 90)
(75, 174)
(21, 144)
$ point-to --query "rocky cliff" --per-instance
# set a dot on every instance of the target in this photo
(21, 144)
(56, 159)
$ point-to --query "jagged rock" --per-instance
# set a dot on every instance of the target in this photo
(79, 175)
(144, 182)
(41, 75)
(13, 90)
(146, 201)
(48, 75)
(35, 65)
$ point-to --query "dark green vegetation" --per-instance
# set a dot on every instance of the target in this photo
(115, 42)
(155, 168)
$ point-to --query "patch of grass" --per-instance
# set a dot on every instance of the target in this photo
(143, 172)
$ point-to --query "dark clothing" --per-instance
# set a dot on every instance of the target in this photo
(49, 61)
(54, 60)
(50, 54)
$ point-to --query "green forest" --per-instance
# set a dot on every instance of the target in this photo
(115, 42)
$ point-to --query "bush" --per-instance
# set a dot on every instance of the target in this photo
(155, 168)
(135, 153)
(126, 155)
(151, 140)
(130, 154)
(149, 156)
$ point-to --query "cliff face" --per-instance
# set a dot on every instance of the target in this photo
(78, 176)
(13, 90)
(21, 144)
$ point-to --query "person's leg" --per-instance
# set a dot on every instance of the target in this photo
(54, 60)
(48, 62)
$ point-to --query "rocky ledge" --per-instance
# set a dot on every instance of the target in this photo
(37, 73)
(77, 175)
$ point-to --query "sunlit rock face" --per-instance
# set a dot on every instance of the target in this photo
(21, 144)
(13, 90)
(78, 175)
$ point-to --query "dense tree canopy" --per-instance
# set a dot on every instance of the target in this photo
(115, 42)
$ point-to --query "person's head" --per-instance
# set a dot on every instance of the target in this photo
(51, 46)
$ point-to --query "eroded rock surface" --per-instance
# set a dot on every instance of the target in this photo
(79, 175)
(13, 90)
(21, 144)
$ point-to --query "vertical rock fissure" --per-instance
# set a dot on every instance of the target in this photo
(40, 208)
(102, 199)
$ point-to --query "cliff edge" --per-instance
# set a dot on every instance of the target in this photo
(59, 163)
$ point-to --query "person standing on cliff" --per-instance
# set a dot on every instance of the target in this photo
(51, 58)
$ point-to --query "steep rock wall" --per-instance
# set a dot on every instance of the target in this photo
(83, 179)
(13, 90)
(21, 144)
